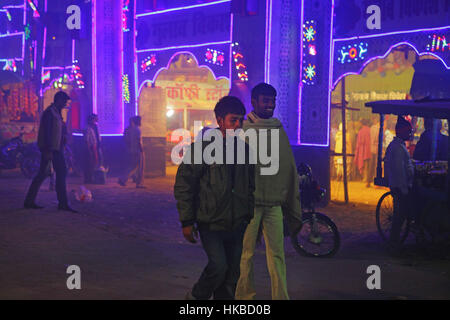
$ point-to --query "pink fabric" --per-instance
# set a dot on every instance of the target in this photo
(362, 151)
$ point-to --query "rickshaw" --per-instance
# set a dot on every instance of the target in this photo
(431, 179)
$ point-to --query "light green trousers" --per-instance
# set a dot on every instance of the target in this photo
(272, 221)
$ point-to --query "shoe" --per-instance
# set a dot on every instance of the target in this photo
(32, 206)
(123, 184)
(189, 296)
(67, 208)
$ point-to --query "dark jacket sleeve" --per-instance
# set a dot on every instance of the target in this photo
(186, 190)
(47, 124)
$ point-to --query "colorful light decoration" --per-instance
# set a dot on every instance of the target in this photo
(45, 76)
(8, 15)
(438, 43)
(33, 7)
(125, 10)
(126, 88)
(239, 62)
(148, 62)
(214, 57)
(353, 53)
(309, 31)
(309, 53)
(309, 74)
(10, 65)
(77, 75)
(27, 31)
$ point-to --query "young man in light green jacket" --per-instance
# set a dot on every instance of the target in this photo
(276, 195)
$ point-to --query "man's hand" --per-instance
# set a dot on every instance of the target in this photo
(190, 234)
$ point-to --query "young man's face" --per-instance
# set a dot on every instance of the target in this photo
(264, 106)
(231, 121)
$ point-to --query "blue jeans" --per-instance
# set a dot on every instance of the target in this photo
(220, 276)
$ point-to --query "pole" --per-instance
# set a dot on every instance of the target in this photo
(344, 139)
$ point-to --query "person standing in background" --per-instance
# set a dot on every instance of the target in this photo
(134, 153)
(362, 151)
(374, 132)
(93, 152)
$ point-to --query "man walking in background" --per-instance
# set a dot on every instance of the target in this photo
(135, 153)
(51, 142)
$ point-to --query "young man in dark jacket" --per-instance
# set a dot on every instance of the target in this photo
(51, 142)
(218, 198)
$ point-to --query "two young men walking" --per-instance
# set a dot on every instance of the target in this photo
(229, 202)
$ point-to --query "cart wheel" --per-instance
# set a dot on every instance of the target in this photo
(384, 214)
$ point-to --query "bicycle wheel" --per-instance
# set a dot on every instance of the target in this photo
(318, 236)
(384, 214)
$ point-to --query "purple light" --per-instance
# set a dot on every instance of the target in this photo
(121, 72)
(300, 83)
(329, 82)
(185, 46)
(73, 49)
(231, 49)
(268, 40)
(168, 65)
(24, 12)
(94, 57)
(11, 34)
(181, 8)
(384, 56)
(330, 76)
(103, 134)
(135, 63)
(391, 33)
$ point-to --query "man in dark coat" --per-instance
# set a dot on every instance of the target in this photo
(51, 141)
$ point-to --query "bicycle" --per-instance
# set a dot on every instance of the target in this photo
(319, 235)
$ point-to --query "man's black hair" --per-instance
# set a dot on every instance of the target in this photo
(402, 123)
(263, 89)
(227, 105)
(61, 96)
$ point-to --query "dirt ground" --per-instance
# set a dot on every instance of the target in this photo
(128, 245)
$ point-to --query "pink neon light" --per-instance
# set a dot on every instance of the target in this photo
(391, 33)
(136, 111)
(300, 83)
(268, 40)
(230, 51)
(330, 77)
(73, 49)
(121, 72)
(329, 91)
(168, 65)
(181, 8)
(94, 56)
(384, 56)
(185, 46)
